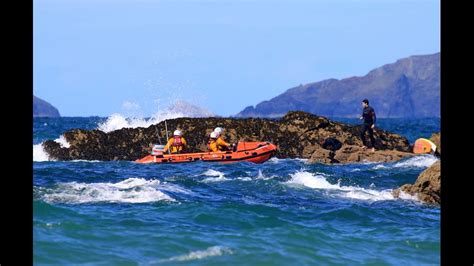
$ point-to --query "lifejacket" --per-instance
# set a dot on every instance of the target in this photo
(212, 145)
(177, 142)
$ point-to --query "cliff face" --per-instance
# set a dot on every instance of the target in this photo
(297, 134)
(41, 108)
(409, 87)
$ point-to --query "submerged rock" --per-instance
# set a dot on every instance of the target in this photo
(297, 135)
(427, 186)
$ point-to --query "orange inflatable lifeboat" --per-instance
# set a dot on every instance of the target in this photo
(255, 152)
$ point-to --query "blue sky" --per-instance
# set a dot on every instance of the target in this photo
(96, 57)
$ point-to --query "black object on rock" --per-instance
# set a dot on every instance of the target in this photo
(331, 144)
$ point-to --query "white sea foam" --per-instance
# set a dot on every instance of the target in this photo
(118, 121)
(275, 160)
(319, 182)
(39, 154)
(62, 142)
(214, 176)
(421, 161)
(201, 254)
(379, 166)
(244, 178)
(212, 172)
(178, 109)
(131, 190)
(406, 196)
(301, 160)
(215, 179)
(369, 194)
(310, 180)
(52, 224)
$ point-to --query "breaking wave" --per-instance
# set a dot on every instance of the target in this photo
(319, 182)
(40, 155)
(131, 190)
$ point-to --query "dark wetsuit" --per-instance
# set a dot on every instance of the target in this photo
(369, 119)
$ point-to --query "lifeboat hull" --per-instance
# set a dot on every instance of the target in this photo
(255, 152)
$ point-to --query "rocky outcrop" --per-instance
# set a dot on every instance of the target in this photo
(427, 187)
(353, 154)
(297, 135)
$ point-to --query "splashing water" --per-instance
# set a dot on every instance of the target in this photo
(319, 182)
(39, 154)
(117, 121)
(178, 109)
(420, 161)
(131, 190)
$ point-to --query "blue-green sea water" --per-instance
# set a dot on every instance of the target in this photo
(282, 212)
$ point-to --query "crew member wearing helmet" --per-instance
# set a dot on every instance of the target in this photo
(221, 144)
(175, 144)
(212, 143)
(215, 145)
(219, 131)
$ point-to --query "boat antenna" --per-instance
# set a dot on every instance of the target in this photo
(166, 128)
(158, 134)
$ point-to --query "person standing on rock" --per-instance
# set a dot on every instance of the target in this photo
(368, 115)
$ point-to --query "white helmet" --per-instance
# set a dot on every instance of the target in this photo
(218, 130)
(177, 132)
(214, 135)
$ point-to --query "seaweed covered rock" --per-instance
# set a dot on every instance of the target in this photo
(427, 186)
(354, 154)
(297, 135)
